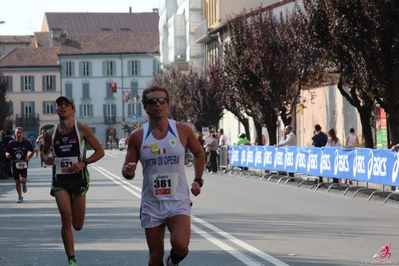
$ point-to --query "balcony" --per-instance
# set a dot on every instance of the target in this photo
(26, 119)
(201, 33)
(110, 120)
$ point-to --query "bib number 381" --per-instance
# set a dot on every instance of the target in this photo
(164, 184)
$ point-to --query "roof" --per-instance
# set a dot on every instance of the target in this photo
(42, 39)
(110, 44)
(30, 57)
(15, 39)
(102, 23)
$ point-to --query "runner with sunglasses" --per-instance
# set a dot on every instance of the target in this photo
(165, 199)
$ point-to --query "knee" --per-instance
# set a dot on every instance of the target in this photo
(180, 247)
(77, 225)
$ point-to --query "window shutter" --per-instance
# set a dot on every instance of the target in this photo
(129, 68)
(80, 69)
(23, 109)
(129, 109)
(33, 83)
(43, 83)
(10, 84)
(81, 110)
(138, 68)
(33, 109)
(44, 108)
(54, 107)
(139, 109)
(63, 65)
(22, 83)
(91, 110)
(72, 69)
(105, 68)
(90, 74)
(53, 87)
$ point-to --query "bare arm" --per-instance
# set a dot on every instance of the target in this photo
(192, 143)
(94, 143)
(132, 154)
(46, 148)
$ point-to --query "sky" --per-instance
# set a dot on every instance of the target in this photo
(24, 17)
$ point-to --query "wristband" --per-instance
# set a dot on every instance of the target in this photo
(199, 181)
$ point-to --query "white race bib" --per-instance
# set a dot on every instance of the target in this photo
(21, 165)
(164, 184)
(63, 163)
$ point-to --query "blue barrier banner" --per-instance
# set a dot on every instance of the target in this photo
(366, 165)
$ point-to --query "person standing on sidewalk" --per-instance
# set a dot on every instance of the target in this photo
(165, 198)
(70, 175)
(17, 150)
(40, 142)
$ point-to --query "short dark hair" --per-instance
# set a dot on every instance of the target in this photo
(352, 130)
(144, 97)
(317, 127)
(221, 130)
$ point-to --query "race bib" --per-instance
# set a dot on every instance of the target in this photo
(64, 163)
(21, 165)
(164, 184)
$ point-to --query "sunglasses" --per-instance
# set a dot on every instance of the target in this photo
(153, 101)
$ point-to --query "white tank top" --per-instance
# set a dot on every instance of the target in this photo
(351, 140)
(163, 166)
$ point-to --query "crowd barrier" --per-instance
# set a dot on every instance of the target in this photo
(358, 164)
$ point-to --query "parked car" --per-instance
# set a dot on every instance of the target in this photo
(122, 144)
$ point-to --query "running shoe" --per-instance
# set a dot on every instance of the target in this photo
(169, 262)
(24, 188)
(73, 263)
(20, 199)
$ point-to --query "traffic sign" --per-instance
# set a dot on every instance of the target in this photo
(134, 117)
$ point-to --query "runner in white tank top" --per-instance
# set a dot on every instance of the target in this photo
(163, 166)
(160, 147)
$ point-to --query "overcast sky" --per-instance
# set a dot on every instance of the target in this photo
(24, 17)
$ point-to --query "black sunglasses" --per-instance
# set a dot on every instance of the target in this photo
(153, 101)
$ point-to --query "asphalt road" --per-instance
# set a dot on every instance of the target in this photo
(236, 221)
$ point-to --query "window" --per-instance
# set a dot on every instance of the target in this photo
(68, 89)
(9, 84)
(28, 109)
(48, 83)
(68, 69)
(85, 68)
(27, 83)
(134, 68)
(109, 68)
(86, 90)
(87, 110)
(49, 107)
(110, 113)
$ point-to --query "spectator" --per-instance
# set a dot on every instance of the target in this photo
(290, 137)
(40, 142)
(290, 140)
(242, 140)
(222, 138)
(263, 140)
(207, 140)
(333, 141)
(351, 140)
(213, 145)
(319, 140)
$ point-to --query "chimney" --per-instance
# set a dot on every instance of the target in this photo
(130, 9)
(155, 10)
(63, 37)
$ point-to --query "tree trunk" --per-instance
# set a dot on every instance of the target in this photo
(258, 128)
(365, 118)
